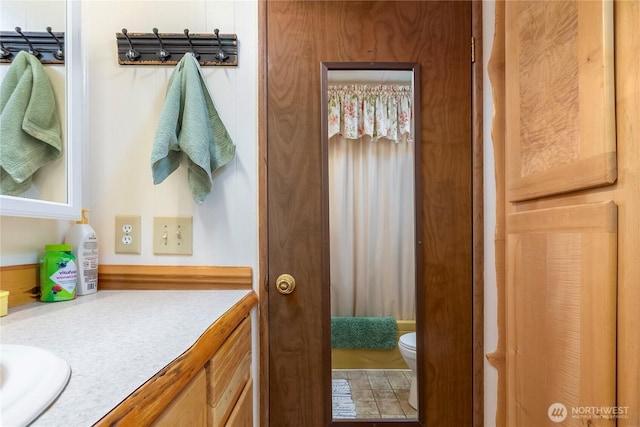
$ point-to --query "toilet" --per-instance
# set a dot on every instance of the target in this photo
(407, 346)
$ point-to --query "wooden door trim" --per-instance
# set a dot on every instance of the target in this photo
(263, 224)
(477, 207)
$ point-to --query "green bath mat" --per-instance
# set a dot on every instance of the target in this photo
(373, 333)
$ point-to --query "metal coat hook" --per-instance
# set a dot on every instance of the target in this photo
(32, 50)
(163, 54)
(132, 54)
(59, 54)
(221, 56)
(193, 51)
(5, 53)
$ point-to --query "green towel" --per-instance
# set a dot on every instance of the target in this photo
(30, 131)
(189, 123)
(374, 333)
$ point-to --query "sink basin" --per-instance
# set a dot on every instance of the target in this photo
(30, 379)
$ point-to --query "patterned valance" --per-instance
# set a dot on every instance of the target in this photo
(377, 111)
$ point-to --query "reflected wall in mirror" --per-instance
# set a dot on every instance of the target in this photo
(369, 150)
(54, 187)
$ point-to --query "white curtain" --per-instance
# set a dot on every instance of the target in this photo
(371, 212)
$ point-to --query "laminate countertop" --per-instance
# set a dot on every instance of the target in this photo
(114, 342)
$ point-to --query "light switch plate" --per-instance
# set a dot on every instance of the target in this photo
(127, 234)
(173, 235)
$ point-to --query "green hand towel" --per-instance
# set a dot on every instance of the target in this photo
(189, 123)
(30, 131)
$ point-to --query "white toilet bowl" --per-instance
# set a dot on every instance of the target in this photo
(407, 346)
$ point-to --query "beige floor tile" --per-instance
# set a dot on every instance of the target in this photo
(379, 394)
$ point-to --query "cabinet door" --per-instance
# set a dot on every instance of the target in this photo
(189, 409)
(228, 371)
(242, 414)
(561, 311)
(560, 117)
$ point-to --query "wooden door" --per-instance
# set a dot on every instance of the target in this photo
(299, 36)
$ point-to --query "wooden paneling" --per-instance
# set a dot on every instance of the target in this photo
(189, 409)
(627, 33)
(561, 310)
(437, 35)
(228, 371)
(560, 123)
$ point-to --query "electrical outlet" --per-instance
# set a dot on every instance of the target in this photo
(173, 235)
(127, 234)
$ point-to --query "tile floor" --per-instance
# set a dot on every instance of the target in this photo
(379, 393)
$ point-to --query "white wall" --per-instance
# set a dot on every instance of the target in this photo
(123, 106)
(490, 290)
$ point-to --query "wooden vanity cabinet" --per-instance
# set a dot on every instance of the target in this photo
(221, 393)
(209, 385)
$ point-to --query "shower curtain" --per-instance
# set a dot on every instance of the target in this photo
(371, 201)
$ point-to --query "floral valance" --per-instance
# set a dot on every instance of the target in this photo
(379, 111)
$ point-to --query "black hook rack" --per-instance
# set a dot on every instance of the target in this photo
(168, 48)
(47, 46)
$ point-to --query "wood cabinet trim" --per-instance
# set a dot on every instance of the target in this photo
(596, 171)
(156, 277)
(22, 281)
(148, 401)
(595, 217)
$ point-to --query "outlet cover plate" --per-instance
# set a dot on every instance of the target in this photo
(127, 234)
(173, 235)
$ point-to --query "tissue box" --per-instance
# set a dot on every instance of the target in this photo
(4, 303)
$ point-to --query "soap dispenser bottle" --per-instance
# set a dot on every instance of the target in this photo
(84, 241)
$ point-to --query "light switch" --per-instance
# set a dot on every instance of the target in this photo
(173, 235)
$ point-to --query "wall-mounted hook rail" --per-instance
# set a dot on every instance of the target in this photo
(210, 49)
(47, 45)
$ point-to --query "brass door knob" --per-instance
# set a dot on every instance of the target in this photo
(285, 284)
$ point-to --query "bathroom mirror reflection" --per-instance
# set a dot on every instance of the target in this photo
(370, 147)
(53, 190)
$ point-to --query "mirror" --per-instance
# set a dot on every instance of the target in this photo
(370, 144)
(56, 189)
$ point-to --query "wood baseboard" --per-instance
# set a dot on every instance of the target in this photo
(22, 281)
(145, 277)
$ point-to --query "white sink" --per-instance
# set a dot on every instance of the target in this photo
(31, 378)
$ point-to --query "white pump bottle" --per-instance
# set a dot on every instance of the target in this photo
(84, 242)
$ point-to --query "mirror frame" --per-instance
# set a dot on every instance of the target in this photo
(326, 268)
(74, 94)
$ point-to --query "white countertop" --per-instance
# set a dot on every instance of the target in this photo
(114, 342)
